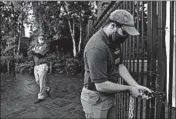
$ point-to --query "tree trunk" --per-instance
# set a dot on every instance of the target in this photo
(19, 42)
(73, 37)
(80, 37)
(71, 31)
(80, 28)
(14, 67)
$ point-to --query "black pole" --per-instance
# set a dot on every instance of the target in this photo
(151, 36)
(161, 80)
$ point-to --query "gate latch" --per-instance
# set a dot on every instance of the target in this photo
(161, 95)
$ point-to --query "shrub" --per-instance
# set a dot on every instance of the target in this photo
(73, 66)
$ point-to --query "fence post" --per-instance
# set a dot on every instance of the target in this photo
(50, 67)
(8, 66)
(90, 28)
(151, 36)
(160, 108)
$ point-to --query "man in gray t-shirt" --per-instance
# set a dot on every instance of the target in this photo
(104, 66)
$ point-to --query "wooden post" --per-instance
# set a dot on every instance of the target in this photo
(89, 32)
(50, 67)
(8, 66)
(90, 28)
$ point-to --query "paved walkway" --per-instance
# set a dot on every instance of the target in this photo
(17, 98)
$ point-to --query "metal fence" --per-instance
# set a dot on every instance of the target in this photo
(145, 57)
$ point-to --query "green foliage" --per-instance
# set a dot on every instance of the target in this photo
(69, 66)
(49, 16)
(11, 60)
(12, 15)
(25, 67)
(79, 11)
(73, 66)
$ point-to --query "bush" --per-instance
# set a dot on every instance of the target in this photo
(25, 67)
(68, 66)
(73, 66)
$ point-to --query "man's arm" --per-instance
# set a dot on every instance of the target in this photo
(36, 54)
(40, 53)
(44, 49)
(97, 63)
(110, 87)
(124, 73)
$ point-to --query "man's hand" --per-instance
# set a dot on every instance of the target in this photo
(41, 50)
(143, 88)
(37, 51)
(134, 91)
(34, 49)
(138, 91)
(144, 91)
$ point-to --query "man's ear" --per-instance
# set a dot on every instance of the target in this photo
(112, 25)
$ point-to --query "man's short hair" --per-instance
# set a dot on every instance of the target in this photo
(41, 34)
(108, 21)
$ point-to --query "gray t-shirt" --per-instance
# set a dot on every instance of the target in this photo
(100, 60)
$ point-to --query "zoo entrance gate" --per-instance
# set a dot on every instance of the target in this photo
(145, 58)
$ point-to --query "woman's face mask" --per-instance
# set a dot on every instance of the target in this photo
(119, 36)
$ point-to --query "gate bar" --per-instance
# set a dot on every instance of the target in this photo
(152, 53)
(171, 56)
(137, 55)
(161, 77)
(142, 58)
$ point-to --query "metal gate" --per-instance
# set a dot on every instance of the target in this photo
(145, 58)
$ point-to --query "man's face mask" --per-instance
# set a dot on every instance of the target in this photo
(41, 40)
(119, 37)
